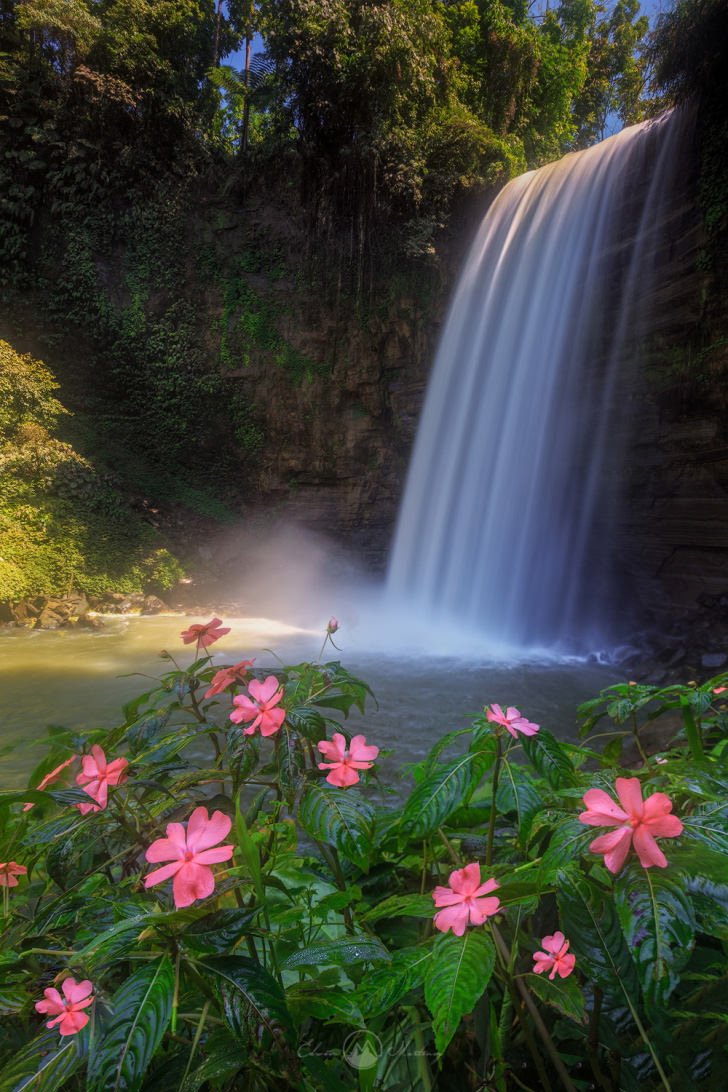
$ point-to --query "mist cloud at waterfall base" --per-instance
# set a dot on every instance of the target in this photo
(301, 579)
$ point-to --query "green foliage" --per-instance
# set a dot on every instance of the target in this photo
(318, 935)
(63, 524)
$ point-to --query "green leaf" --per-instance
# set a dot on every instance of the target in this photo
(659, 927)
(562, 994)
(309, 722)
(458, 974)
(339, 817)
(219, 931)
(414, 906)
(110, 943)
(569, 840)
(547, 755)
(124, 1047)
(383, 987)
(250, 998)
(340, 952)
(445, 790)
(589, 920)
(45, 1063)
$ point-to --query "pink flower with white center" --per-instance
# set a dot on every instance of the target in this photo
(511, 720)
(260, 707)
(343, 763)
(555, 958)
(9, 871)
(50, 778)
(96, 776)
(463, 900)
(67, 1010)
(638, 823)
(228, 676)
(204, 634)
(191, 853)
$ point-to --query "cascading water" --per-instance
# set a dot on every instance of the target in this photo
(507, 523)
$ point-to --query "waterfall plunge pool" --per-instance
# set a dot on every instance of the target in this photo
(81, 678)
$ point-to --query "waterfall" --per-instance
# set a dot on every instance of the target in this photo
(507, 527)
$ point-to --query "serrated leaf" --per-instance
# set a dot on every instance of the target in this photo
(659, 926)
(562, 994)
(340, 818)
(440, 794)
(340, 953)
(458, 974)
(45, 1064)
(141, 1011)
(250, 998)
(546, 754)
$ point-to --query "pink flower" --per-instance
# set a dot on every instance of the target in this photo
(463, 900)
(554, 958)
(67, 1009)
(344, 764)
(719, 689)
(511, 720)
(332, 625)
(191, 854)
(8, 872)
(96, 777)
(261, 709)
(224, 678)
(637, 821)
(50, 778)
(206, 634)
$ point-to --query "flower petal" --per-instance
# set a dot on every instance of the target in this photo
(647, 849)
(614, 846)
(453, 918)
(629, 792)
(214, 856)
(192, 882)
(480, 909)
(342, 776)
(159, 875)
(465, 880)
(601, 810)
(360, 751)
(203, 832)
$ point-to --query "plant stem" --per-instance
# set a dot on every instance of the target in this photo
(491, 822)
(534, 1014)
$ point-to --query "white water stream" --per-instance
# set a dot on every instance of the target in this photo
(507, 524)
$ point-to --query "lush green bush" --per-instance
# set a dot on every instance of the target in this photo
(311, 960)
(64, 524)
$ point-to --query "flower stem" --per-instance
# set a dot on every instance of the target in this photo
(491, 822)
(535, 1015)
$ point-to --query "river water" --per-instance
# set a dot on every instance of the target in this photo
(81, 678)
